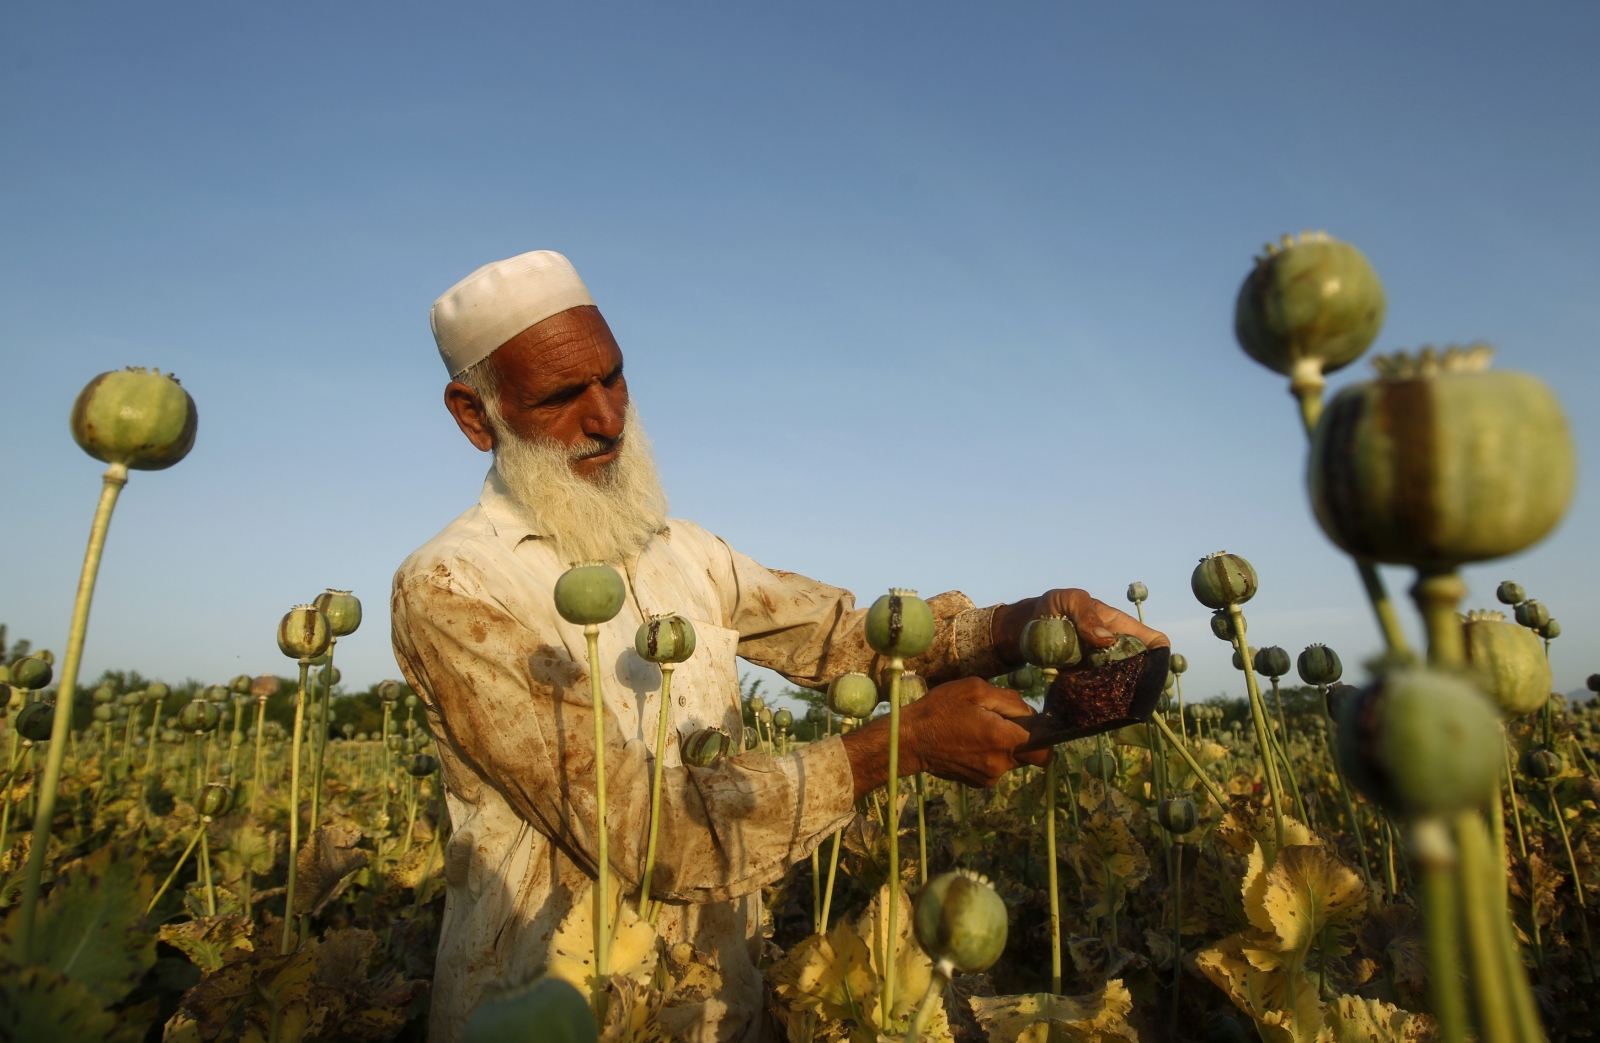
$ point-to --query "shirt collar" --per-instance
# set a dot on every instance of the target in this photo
(504, 513)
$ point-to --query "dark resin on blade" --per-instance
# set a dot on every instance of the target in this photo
(1088, 702)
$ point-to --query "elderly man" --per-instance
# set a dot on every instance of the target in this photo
(537, 379)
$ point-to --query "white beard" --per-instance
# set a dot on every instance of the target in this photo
(607, 518)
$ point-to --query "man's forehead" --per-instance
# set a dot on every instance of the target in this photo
(573, 345)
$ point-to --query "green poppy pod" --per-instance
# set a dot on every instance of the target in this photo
(396, 740)
(198, 715)
(132, 699)
(1319, 665)
(1222, 625)
(1510, 661)
(590, 592)
(1593, 683)
(702, 748)
(1421, 742)
(853, 695)
(137, 417)
(1510, 593)
(32, 673)
(421, 765)
(900, 624)
(1051, 642)
(329, 675)
(361, 737)
(119, 712)
(1238, 662)
(1023, 678)
(102, 712)
(316, 711)
(389, 691)
(321, 660)
(411, 702)
(266, 686)
(1440, 462)
(303, 633)
(1541, 764)
(757, 704)
(1223, 579)
(816, 714)
(171, 736)
(1533, 614)
(1138, 592)
(216, 800)
(665, 639)
(1309, 303)
(217, 693)
(225, 770)
(960, 918)
(546, 1010)
(1550, 631)
(156, 692)
(348, 730)
(1177, 815)
(1272, 661)
(783, 719)
(343, 610)
(764, 715)
(104, 695)
(1172, 679)
(240, 685)
(1164, 703)
(1101, 765)
(1177, 664)
(35, 720)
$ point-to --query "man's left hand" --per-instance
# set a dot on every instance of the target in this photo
(1097, 623)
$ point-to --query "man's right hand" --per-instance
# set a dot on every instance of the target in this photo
(965, 731)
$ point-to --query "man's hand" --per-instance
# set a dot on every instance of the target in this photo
(1098, 624)
(964, 731)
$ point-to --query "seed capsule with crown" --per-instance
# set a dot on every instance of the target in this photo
(1223, 579)
(1541, 764)
(960, 918)
(216, 800)
(303, 633)
(240, 685)
(343, 610)
(1050, 642)
(591, 592)
(1319, 665)
(1138, 592)
(1272, 662)
(1311, 305)
(1550, 631)
(1178, 664)
(783, 719)
(665, 639)
(1510, 660)
(853, 695)
(1441, 461)
(900, 624)
(421, 765)
(389, 691)
(1222, 625)
(139, 418)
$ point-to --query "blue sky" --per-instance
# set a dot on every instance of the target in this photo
(929, 295)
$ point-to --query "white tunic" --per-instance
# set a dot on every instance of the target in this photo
(505, 683)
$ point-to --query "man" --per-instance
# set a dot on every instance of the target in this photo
(537, 379)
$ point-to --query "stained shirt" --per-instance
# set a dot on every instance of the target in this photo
(505, 683)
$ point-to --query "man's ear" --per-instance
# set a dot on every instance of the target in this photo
(471, 416)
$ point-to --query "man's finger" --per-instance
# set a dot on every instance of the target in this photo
(1037, 758)
(1002, 701)
(1123, 623)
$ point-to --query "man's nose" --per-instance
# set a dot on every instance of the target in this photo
(602, 413)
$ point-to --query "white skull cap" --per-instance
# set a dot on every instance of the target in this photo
(500, 300)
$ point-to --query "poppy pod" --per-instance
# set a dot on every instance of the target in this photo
(704, 747)
(1441, 461)
(1177, 815)
(343, 610)
(136, 417)
(1223, 579)
(590, 592)
(1050, 642)
(900, 624)
(1312, 303)
(1510, 660)
(303, 633)
(960, 918)
(665, 639)
(852, 695)
(1319, 665)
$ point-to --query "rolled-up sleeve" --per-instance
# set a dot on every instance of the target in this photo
(811, 632)
(513, 710)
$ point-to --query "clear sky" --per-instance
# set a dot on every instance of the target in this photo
(930, 295)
